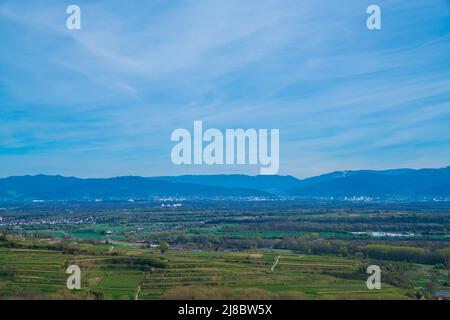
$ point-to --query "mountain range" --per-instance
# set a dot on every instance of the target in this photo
(386, 184)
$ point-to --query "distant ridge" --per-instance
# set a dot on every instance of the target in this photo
(394, 183)
(400, 183)
(384, 184)
(273, 184)
(120, 188)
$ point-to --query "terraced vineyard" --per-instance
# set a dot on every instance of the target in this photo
(136, 273)
(30, 273)
(295, 276)
(26, 271)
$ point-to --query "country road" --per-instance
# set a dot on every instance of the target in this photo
(139, 287)
(275, 264)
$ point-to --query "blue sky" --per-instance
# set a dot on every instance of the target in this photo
(102, 101)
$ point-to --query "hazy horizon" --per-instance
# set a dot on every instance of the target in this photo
(213, 174)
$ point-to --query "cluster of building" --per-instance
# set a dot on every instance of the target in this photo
(14, 221)
(378, 234)
(171, 205)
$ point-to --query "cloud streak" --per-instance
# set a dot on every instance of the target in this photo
(103, 100)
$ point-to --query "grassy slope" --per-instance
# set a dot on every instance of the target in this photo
(37, 273)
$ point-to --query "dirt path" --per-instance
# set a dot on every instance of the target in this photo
(139, 287)
(275, 264)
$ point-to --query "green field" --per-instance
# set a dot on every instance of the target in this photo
(40, 273)
(249, 274)
(223, 252)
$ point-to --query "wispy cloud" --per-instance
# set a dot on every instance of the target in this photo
(103, 100)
